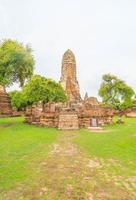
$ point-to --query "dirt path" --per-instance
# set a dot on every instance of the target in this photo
(72, 175)
(69, 174)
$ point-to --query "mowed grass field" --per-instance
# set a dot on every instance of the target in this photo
(117, 141)
(24, 152)
(22, 147)
(114, 150)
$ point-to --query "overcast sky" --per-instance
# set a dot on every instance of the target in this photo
(101, 34)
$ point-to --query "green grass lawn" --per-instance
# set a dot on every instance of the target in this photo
(117, 142)
(22, 147)
(24, 158)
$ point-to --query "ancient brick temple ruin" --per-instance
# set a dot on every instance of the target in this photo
(74, 114)
(5, 104)
(68, 77)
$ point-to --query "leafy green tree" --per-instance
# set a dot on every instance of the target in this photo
(16, 62)
(18, 100)
(116, 93)
(45, 90)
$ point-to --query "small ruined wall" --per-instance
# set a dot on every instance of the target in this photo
(5, 104)
(131, 112)
(85, 120)
(49, 120)
(57, 116)
(68, 121)
(33, 114)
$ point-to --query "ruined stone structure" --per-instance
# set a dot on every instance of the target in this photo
(131, 112)
(5, 104)
(74, 114)
(68, 76)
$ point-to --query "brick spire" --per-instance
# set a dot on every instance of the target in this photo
(68, 76)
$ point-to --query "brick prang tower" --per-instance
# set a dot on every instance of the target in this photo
(68, 77)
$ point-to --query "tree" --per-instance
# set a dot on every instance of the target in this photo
(116, 93)
(18, 100)
(41, 89)
(16, 62)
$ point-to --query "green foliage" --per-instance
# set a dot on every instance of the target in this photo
(16, 62)
(42, 89)
(37, 89)
(116, 93)
(18, 100)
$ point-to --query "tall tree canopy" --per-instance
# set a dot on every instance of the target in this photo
(116, 92)
(16, 62)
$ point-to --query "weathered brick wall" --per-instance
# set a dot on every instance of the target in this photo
(68, 121)
(130, 112)
(65, 118)
(5, 103)
(49, 120)
(33, 114)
